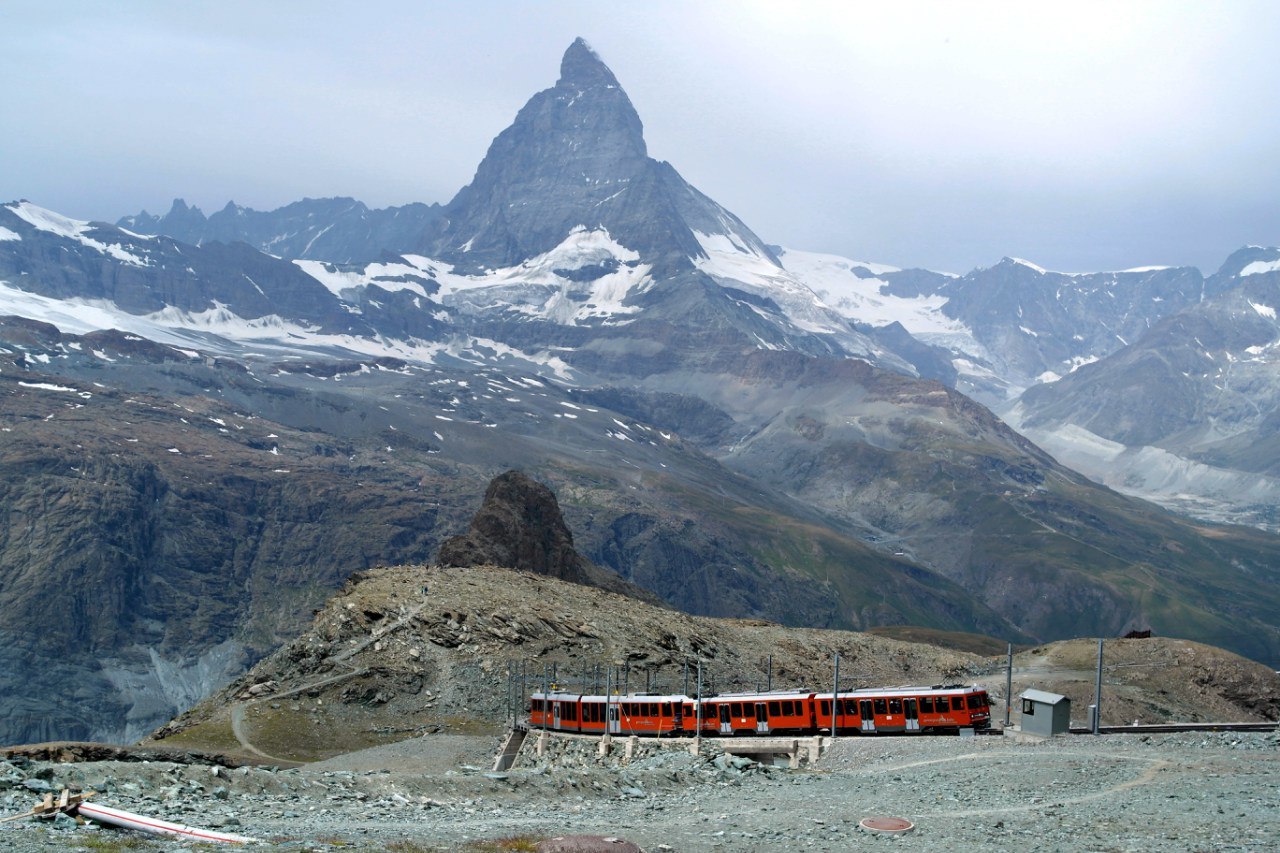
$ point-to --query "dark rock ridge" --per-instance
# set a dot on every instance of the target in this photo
(143, 275)
(1035, 321)
(340, 230)
(575, 156)
(519, 526)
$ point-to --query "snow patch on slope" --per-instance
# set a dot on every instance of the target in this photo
(1260, 267)
(551, 286)
(732, 264)
(72, 229)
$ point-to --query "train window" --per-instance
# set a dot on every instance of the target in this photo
(851, 707)
(749, 710)
(824, 707)
(666, 709)
(788, 709)
(882, 707)
(689, 711)
(895, 706)
(775, 709)
(926, 704)
(736, 709)
(975, 702)
(943, 707)
(653, 709)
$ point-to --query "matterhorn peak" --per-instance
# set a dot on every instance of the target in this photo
(581, 68)
(575, 159)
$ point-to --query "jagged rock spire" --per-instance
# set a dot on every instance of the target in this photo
(582, 68)
(575, 156)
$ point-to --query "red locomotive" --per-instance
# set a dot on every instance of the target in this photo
(891, 710)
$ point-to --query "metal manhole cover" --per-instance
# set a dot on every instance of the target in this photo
(890, 825)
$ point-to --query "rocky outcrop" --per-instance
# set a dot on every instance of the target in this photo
(519, 526)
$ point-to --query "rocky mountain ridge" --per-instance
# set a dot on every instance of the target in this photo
(1188, 414)
(340, 230)
(411, 649)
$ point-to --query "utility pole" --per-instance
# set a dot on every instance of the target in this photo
(1097, 694)
(835, 696)
(1008, 687)
(769, 683)
(697, 730)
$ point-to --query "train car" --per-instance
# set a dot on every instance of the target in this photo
(891, 710)
(751, 714)
(632, 714)
(909, 710)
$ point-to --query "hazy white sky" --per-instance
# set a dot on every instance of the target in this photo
(1078, 135)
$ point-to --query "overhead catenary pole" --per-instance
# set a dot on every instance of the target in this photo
(835, 696)
(769, 682)
(1008, 687)
(697, 730)
(1097, 693)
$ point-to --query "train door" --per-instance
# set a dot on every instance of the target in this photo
(614, 726)
(555, 720)
(910, 711)
(762, 718)
(726, 719)
(868, 717)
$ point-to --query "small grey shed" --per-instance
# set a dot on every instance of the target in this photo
(1045, 714)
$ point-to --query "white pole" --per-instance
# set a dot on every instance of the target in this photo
(1097, 693)
(835, 696)
(142, 823)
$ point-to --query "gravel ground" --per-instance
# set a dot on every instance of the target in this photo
(1184, 792)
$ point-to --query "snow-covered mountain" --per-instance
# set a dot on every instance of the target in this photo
(342, 230)
(1189, 413)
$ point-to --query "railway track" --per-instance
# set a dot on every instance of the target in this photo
(1167, 728)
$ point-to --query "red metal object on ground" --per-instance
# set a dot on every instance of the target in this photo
(887, 825)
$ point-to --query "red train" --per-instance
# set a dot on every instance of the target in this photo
(891, 710)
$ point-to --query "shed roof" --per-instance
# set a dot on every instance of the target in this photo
(1043, 697)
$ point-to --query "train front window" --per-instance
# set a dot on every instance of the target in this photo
(975, 702)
